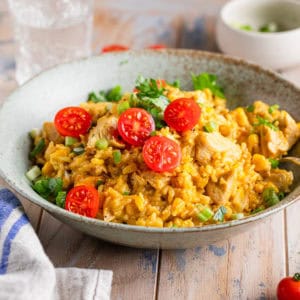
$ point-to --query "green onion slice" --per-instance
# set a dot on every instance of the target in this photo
(78, 150)
(37, 149)
(270, 197)
(210, 126)
(101, 144)
(205, 213)
(69, 141)
(122, 106)
(117, 156)
(33, 173)
(60, 199)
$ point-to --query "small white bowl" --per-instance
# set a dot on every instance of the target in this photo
(275, 50)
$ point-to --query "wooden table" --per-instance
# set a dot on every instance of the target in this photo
(247, 266)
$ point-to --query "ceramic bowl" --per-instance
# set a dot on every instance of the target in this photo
(276, 50)
(39, 99)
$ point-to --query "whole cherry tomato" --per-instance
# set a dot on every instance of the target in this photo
(72, 121)
(83, 200)
(289, 288)
(114, 48)
(157, 47)
(182, 114)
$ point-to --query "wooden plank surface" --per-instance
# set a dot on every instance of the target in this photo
(135, 270)
(247, 266)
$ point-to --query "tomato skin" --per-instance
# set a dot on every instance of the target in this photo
(161, 154)
(157, 47)
(114, 48)
(72, 121)
(83, 200)
(182, 114)
(135, 126)
(289, 288)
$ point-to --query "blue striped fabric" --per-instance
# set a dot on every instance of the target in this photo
(8, 202)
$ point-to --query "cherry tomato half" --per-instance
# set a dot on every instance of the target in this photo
(157, 47)
(135, 126)
(114, 48)
(182, 114)
(289, 288)
(161, 154)
(72, 121)
(83, 200)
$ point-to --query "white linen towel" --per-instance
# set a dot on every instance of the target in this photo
(27, 273)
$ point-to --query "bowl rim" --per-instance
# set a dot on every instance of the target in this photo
(257, 34)
(52, 208)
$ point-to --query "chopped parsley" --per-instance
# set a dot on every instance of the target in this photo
(207, 81)
(112, 95)
(269, 27)
(246, 27)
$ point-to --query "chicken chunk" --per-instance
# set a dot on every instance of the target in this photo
(220, 192)
(51, 134)
(273, 143)
(105, 128)
(289, 128)
(281, 178)
(209, 143)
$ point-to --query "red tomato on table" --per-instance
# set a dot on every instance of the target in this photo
(72, 121)
(182, 114)
(161, 154)
(289, 288)
(114, 48)
(135, 126)
(83, 200)
(157, 47)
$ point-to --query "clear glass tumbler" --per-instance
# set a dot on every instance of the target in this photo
(48, 32)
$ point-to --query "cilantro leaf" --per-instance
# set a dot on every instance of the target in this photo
(272, 108)
(148, 87)
(112, 95)
(250, 108)
(175, 83)
(207, 81)
(154, 105)
(265, 122)
(219, 214)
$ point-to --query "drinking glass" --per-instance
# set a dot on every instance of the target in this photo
(48, 32)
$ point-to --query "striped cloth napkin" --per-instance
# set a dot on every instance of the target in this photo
(27, 273)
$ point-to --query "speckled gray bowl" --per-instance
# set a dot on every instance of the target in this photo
(38, 100)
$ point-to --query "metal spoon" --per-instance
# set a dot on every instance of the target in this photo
(292, 159)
